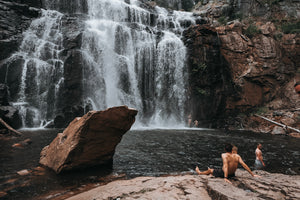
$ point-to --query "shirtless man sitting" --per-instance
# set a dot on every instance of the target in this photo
(230, 164)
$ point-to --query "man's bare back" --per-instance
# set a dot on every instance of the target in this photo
(230, 164)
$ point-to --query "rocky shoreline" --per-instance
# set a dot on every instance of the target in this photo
(262, 122)
(189, 186)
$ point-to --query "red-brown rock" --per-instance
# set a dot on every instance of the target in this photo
(233, 74)
(89, 140)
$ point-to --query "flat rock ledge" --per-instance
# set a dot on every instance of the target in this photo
(194, 187)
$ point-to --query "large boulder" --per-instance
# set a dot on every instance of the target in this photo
(89, 140)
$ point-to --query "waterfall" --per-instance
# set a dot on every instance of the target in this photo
(42, 70)
(131, 58)
(130, 54)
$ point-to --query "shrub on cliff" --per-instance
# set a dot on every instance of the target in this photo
(251, 31)
(291, 27)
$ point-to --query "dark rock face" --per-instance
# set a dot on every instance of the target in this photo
(32, 3)
(3, 95)
(13, 80)
(70, 103)
(11, 116)
(233, 74)
(89, 140)
(15, 18)
(176, 4)
(66, 6)
(209, 78)
(8, 113)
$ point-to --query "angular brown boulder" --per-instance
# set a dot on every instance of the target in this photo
(89, 140)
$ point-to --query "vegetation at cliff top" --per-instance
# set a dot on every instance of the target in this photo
(272, 2)
(291, 27)
(261, 110)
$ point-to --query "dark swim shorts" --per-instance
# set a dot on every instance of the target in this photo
(220, 173)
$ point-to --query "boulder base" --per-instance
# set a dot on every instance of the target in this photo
(89, 140)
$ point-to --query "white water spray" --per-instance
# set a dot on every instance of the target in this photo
(127, 64)
(42, 73)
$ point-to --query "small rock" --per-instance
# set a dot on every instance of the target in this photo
(278, 131)
(22, 144)
(294, 134)
(39, 171)
(277, 113)
(287, 121)
(17, 145)
(2, 194)
(23, 172)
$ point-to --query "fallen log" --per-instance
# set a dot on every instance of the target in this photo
(9, 127)
(279, 124)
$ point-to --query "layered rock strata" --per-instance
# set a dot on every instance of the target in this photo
(233, 73)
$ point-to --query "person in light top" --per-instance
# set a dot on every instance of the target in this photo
(259, 163)
(297, 87)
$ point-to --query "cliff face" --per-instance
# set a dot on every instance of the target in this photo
(246, 8)
(233, 74)
(263, 67)
(248, 64)
(209, 75)
(15, 19)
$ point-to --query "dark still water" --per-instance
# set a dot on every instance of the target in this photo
(140, 153)
(157, 152)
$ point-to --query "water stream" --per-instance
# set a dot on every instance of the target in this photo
(42, 70)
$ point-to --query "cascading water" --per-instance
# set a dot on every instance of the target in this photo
(42, 70)
(130, 56)
(134, 59)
